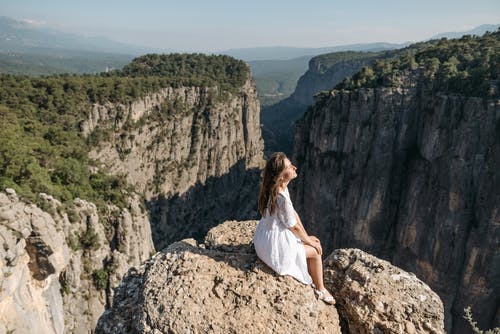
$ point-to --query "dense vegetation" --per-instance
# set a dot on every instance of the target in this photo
(190, 70)
(41, 148)
(467, 66)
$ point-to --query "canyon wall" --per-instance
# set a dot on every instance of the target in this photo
(195, 153)
(409, 175)
(323, 74)
(60, 265)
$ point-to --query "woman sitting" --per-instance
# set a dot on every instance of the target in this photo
(280, 238)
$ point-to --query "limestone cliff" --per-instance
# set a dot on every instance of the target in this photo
(59, 266)
(324, 73)
(412, 176)
(194, 152)
(220, 286)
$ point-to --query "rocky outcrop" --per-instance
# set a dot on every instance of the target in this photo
(411, 176)
(220, 286)
(377, 297)
(59, 265)
(194, 152)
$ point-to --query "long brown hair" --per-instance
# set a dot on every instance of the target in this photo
(269, 188)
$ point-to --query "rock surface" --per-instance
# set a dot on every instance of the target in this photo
(48, 263)
(377, 297)
(410, 176)
(216, 287)
(220, 286)
(194, 152)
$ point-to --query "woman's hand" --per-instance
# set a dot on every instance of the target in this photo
(317, 246)
(314, 238)
(315, 243)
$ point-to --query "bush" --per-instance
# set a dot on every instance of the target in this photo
(90, 239)
(100, 279)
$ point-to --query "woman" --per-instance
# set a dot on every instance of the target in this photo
(280, 238)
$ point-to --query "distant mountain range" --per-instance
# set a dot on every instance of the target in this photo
(20, 36)
(28, 49)
(287, 53)
(476, 31)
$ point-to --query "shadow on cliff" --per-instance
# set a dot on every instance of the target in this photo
(232, 196)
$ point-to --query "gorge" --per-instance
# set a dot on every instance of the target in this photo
(403, 163)
(99, 173)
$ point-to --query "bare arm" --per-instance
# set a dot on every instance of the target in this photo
(299, 230)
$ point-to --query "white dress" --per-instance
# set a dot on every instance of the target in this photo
(277, 246)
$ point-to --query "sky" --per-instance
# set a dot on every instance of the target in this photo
(215, 25)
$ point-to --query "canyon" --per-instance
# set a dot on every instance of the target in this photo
(411, 175)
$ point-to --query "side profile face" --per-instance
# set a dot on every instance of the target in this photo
(290, 171)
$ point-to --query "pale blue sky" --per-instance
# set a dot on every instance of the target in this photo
(213, 25)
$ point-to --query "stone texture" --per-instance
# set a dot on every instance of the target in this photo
(410, 176)
(46, 283)
(218, 286)
(377, 297)
(200, 161)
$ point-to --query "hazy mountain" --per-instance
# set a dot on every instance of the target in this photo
(27, 49)
(286, 53)
(476, 31)
(20, 36)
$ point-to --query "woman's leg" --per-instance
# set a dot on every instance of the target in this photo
(315, 266)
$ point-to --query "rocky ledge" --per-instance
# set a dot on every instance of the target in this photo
(220, 286)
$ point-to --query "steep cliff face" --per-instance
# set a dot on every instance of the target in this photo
(323, 74)
(194, 152)
(220, 286)
(411, 176)
(59, 269)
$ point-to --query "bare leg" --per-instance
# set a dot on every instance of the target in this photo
(315, 266)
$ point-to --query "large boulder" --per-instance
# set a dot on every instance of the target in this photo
(219, 286)
(377, 297)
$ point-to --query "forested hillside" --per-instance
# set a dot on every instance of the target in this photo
(41, 148)
(469, 66)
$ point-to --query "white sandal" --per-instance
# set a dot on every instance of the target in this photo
(324, 295)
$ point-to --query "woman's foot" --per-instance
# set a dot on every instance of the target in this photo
(325, 296)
